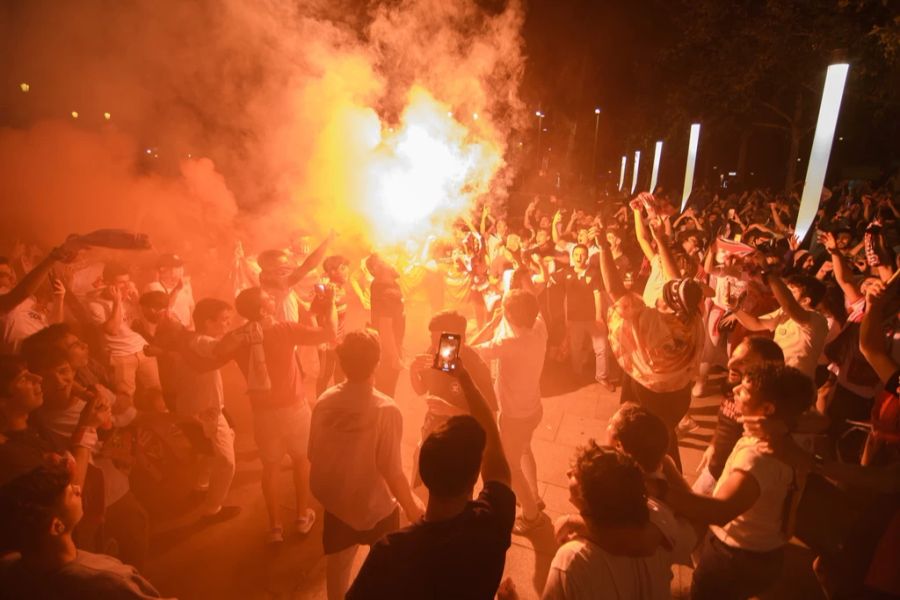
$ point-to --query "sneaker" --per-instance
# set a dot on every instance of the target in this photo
(524, 526)
(687, 425)
(606, 384)
(305, 523)
(275, 535)
(223, 514)
(699, 390)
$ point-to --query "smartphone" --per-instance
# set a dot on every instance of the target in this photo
(448, 352)
(320, 288)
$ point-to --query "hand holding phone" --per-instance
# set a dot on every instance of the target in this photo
(447, 357)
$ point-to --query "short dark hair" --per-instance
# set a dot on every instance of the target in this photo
(249, 303)
(44, 358)
(449, 321)
(643, 435)
(582, 246)
(358, 354)
(333, 263)
(766, 348)
(810, 287)
(450, 458)
(612, 486)
(154, 299)
(208, 309)
(520, 308)
(111, 270)
(27, 504)
(51, 335)
(11, 366)
(787, 389)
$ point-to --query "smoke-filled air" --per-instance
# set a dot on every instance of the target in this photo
(196, 121)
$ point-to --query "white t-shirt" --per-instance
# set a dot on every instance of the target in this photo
(354, 444)
(520, 360)
(19, 323)
(678, 532)
(183, 306)
(655, 282)
(759, 529)
(126, 341)
(581, 570)
(199, 391)
(802, 343)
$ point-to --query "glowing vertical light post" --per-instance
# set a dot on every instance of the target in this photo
(835, 79)
(637, 165)
(693, 142)
(622, 172)
(656, 155)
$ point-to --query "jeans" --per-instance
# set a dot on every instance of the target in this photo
(579, 333)
(516, 434)
(724, 572)
(221, 466)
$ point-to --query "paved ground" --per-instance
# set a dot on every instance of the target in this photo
(231, 561)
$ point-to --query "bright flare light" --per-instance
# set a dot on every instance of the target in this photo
(24, 87)
(835, 79)
(693, 141)
(637, 165)
(427, 173)
(622, 172)
(656, 155)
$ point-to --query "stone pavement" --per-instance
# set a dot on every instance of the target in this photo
(231, 561)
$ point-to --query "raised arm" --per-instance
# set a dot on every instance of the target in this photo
(612, 279)
(642, 233)
(839, 268)
(494, 466)
(30, 283)
(786, 300)
(669, 266)
(311, 262)
(871, 341)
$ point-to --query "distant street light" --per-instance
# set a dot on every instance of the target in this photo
(594, 152)
(540, 117)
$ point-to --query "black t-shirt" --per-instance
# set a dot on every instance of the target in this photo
(580, 305)
(461, 558)
(23, 450)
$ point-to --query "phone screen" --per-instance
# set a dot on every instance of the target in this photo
(448, 352)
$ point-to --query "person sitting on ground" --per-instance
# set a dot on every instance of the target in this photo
(38, 513)
(743, 553)
(356, 470)
(610, 560)
(459, 548)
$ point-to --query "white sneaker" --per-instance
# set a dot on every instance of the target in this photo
(275, 536)
(305, 523)
(687, 425)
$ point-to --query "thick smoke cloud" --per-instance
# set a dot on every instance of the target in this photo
(248, 117)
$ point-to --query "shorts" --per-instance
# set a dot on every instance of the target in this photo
(282, 430)
(338, 536)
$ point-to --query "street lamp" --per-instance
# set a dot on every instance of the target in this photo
(594, 152)
(540, 117)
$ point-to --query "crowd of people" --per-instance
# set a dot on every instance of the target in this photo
(657, 305)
